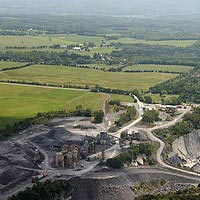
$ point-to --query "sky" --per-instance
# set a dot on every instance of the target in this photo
(104, 7)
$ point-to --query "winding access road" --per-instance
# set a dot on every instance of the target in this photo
(153, 137)
(160, 150)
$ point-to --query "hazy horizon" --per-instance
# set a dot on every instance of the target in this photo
(146, 8)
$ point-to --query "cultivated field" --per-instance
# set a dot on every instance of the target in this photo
(20, 102)
(156, 98)
(163, 68)
(122, 98)
(26, 43)
(34, 41)
(77, 76)
(4, 65)
(177, 43)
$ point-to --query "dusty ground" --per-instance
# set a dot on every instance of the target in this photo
(120, 185)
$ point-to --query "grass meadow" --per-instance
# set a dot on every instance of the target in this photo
(169, 68)
(77, 76)
(20, 102)
(176, 43)
(41, 40)
(4, 65)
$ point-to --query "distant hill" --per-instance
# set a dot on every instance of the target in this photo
(104, 7)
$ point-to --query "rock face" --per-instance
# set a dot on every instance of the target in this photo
(188, 149)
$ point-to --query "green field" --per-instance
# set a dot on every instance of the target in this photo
(20, 102)
(77, 76)
(4, 65)
(28, 42)
(177, 43)
(79, 39)
(34, 41)
(67, 39)
(169, 68)
(122, 98)
(156, 98)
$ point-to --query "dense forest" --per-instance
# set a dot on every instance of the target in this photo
(186, 85)
(46, 57)
(159, 54)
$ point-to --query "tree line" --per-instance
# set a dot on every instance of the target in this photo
(152, 70)
(16, 67)
(85, 87)
(46, 57)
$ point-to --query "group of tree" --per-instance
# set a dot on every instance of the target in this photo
(98, 116)
(158, 54)
(46, 57)
(148, 99)
(150, 116)
(49, 190)
(129, 156)
(189, 123)
(189, 194)
(46, 84)
(126, 117)
(152, 70)
(98, 88)
(115, 102)
(187, 86)
(16, 67)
